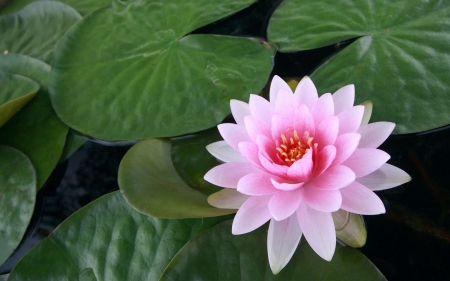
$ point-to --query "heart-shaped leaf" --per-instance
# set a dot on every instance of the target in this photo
(150, 184)
(216, 254)
(400, 60)
(108, 240)
(17, 198)
(83, 7)
(149, 77)
(15, 92)
(36, 29)
(35, 130)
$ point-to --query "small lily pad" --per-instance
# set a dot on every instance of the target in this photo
(150, 183)
(83, 7)
(17, 198)
(399, 59)
(15, 92)
(108, 240)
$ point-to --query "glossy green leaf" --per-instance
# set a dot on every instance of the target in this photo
(400, 60)
(74, 141)
(83, 7)
(108, 240)
(36, 29)
(15, 92)
(4, 277)
(150, 183)
(17, 198)
(191, 159)
(152, 79)
(35, 130)
(218, 255)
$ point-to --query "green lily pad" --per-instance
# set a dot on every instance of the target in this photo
(150, 183)
(191, 159)
(35, 130)
(399, 60)
(108, 240)
(17, 198)
(36, 29)
(73, 141)
(15, 92)
(83, 7)
(216, 254)
(152, 79)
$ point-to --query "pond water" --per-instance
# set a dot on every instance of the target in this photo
(410, 242)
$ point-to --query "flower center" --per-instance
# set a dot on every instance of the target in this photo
(293, 149)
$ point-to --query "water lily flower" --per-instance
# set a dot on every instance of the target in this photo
(296, 159)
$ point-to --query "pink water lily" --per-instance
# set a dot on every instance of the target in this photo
(295, 160)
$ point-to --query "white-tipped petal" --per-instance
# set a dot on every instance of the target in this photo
(251, 215)
(222, 151)
(387, 176)
(239, 109)
(344, 98)
(358, 199)
(306, 92)
(227, 199)
(277, 85)
(374, 134)
(318, 229)
(282, 241)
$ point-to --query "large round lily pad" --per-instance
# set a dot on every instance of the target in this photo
(150, 184)
(216, 254)
(35, 130)
(17, 198)
(108, 240)
(36, 29)
(83, 7)
(400, 60)
(15, 92)
(149, 77)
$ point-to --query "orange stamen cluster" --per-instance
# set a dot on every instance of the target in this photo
(293, 149)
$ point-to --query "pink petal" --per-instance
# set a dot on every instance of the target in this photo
(387, 176)
(323, 108)
(366, 160)
(374, 134)
(303, 120)
(345, 144)
(267, 148)
(324, 159)
(227, 199)
(344, 98)
(222, 151)
(229, 174)
(368, 105)
(301, 170)
(252, 214)
(282, 241)
(306, 92)
(239, 109)
(250, 152)
(258, 183)
(326, 132)
(350, 119)
(299, 119)
(285, 186)
(273, 168)
(277, 85)
(318, 229)
(284, 203)
(335, 177)
(358, 199)
(285, 103)
(256, 127)
(233, 134)
(261, 108)
(321, 199)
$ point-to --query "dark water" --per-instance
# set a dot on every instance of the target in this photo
(410, 242)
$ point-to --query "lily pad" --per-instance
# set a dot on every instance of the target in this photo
(36, 29)
(15, 92)
(153, 78)
(216, 254)
(191, 159)
(83, 7)
(35, 130)
(17, 198)
(108, 240)
(74, 141)
(399, 59)
(150, 183)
